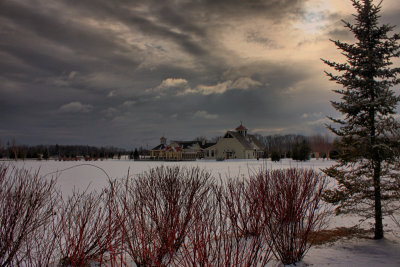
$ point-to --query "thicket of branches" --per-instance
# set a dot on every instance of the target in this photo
(168, 216)
(298, 147)
(26, 208)
(291, 201)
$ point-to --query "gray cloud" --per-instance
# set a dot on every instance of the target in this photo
(76, 107)
(256, 37)
(202, 114)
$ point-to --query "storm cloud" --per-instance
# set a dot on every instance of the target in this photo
(126, 72)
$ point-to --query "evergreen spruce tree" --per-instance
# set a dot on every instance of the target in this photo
(275, 156)
(46, 154)
(367, 129)
(136, 154)
(301, 150)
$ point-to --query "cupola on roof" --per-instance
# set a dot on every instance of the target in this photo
(241, 128)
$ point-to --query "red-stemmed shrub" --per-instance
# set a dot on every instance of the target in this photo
(168, 216)
(88, 229)
(26, 207)
(247, 245)
(114, 241)
(228, 231)
(159, 208)
(241, 205)
(291, 202)
(42, 248)
(201, 247)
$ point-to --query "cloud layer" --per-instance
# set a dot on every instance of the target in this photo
(125, 72)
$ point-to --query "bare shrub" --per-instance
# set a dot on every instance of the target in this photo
(291, 203)
(241, 205)
(42, 249)
(88, 229)
(159, 208)
(26, 208)
(202, 246)
(227, 231)
(115, 233)
(245, 223)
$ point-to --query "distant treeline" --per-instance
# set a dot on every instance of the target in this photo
(298, 147)
(65, 152)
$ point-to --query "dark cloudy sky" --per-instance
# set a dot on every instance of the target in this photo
(126, 72)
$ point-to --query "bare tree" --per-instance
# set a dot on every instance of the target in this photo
(321, 144)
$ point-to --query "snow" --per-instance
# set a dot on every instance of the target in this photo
(356, 252)
(94, 175)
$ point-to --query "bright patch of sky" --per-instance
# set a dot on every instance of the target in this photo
(315, 18)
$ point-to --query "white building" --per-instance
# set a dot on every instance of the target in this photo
(236, 144)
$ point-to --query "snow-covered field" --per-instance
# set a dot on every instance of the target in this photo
(354, 252)
(94, 175)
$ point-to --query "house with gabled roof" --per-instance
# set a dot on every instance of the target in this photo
(236, 144)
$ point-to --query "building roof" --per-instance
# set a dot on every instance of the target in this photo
(249, 142)
(184, 145)
(160, 147)
(173, 149)
(207, 145)
(187, 144)
(190, 144)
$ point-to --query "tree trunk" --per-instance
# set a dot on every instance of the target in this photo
(378, 203)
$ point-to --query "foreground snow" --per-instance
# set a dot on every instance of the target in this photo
(354, 252)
